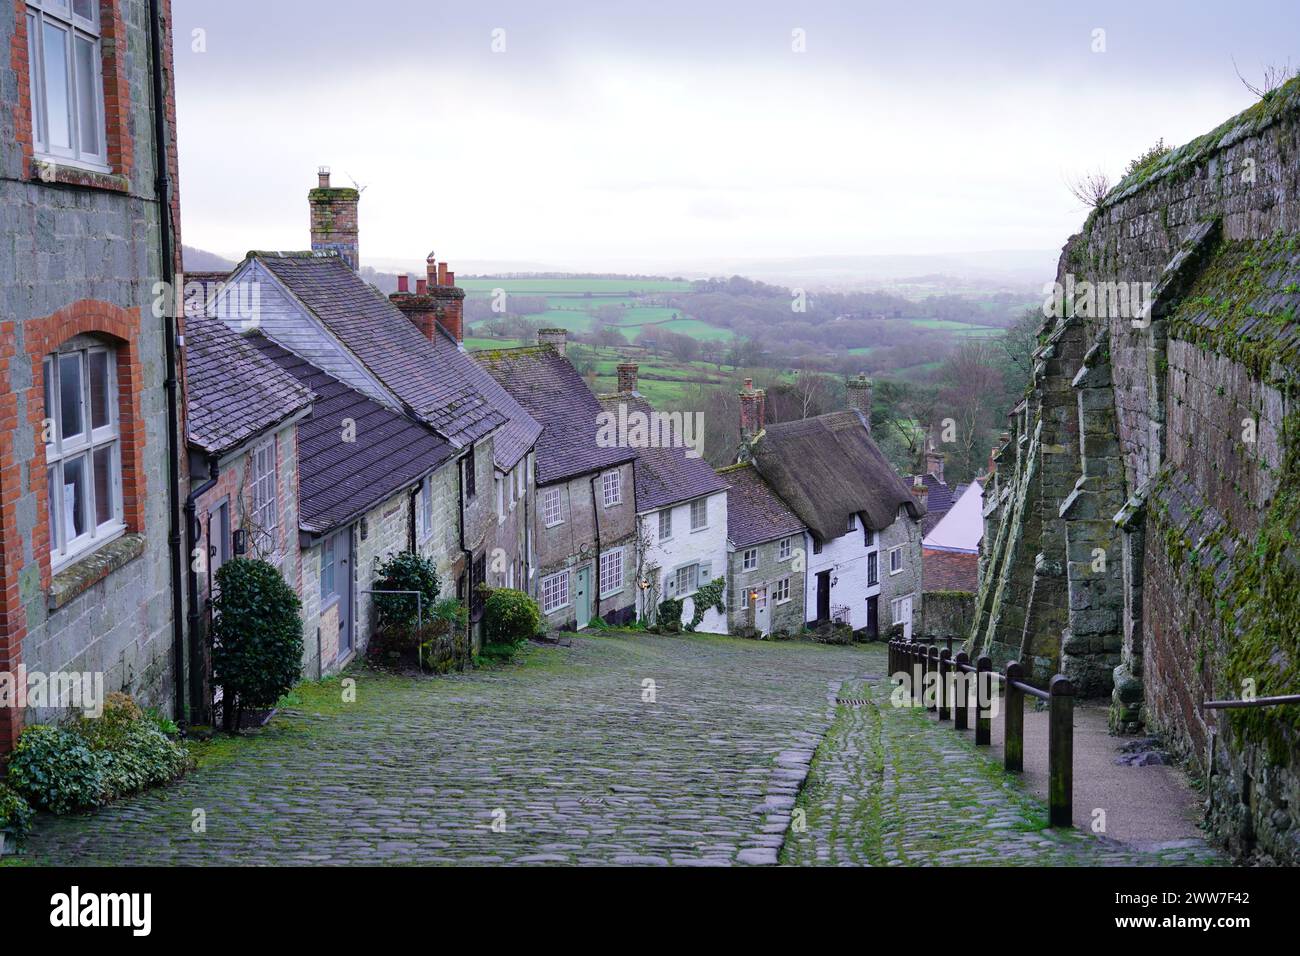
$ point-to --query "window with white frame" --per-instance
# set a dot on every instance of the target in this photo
(328, 566)
(760, 599)
(895, 560)
(784, 549)
(555, 592)
(424, 509)
(66, 82)
(682, 582)
(665, 524)
(781, 591)
(612, 484)
(749, 560)
(552, 507)
(83, 455)
(611, 572)
(266, 515)
(699, 514)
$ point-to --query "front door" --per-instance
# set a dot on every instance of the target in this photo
(903, 614)
(340, 548)
(582, 596)
(762, 614)
(873, 617)
(823, 596)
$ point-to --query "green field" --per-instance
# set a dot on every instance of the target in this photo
(571, 287)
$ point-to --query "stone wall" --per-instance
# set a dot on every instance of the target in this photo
(1152, 476)
(947, 615)
(787, 616)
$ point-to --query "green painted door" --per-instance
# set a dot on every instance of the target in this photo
(582, 596)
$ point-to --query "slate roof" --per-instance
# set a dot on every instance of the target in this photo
(755, 513)
(938, 500)
(233, 393)
(521, 430)
(949, 570)
(962, 527)
(664, 476)
(828, 468)
(547, 385)
(339, 481)
(435, 383)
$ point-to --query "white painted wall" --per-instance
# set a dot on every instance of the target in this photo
(707, 546)
(846, 558)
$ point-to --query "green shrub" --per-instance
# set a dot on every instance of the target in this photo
(256, 637)
(670, 616)
(510, 618)
(15, 813)
(406, 571)
(55, 770)
(134, 752)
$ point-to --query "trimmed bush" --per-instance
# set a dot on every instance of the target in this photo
(510, 617)
(55, 770)
(256, 638)
(669, 618)
(406, 571)
(134, 752)
(15, 813)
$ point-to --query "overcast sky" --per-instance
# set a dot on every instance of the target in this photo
(616, 132)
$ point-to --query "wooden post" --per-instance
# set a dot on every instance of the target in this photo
(933, 668)
(945, 689)
(1060, 752)
(1013, 744)
(962, 699)
(983, 688)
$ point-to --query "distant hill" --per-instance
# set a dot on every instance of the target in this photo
(198, 260)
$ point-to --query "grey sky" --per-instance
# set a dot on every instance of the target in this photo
(613, 133)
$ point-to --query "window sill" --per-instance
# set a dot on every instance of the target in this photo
(55, 173)
(80, 576)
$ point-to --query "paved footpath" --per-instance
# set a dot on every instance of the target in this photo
(573, 758)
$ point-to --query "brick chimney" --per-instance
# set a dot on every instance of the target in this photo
(934, 460)
(919, 489)
(433, 303)
(859, 390)
(334, 225)
(555, 338)
(627, 374)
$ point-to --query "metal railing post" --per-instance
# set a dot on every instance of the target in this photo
(1013, 743)
(1060, 750)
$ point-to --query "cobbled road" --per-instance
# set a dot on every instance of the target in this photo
(621, 749)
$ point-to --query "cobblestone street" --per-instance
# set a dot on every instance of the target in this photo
(572, 766)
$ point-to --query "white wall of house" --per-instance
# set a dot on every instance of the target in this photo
(704, 547)
(848, 558)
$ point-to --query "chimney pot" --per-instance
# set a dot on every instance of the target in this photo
(334, 223)
(323, 177)
(403, 284)
(451, 278)
(442, 274)
(627, 375)
(421, 286)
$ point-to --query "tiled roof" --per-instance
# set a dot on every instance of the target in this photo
(950, 570)
(828, 468)
(233, 393)
(938, 500)
(664, 476)
(521, 430)
(755, 513)
(340, 480)
(547, 385)
(433, 382)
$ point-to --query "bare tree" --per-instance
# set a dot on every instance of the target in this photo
(1275, 76)
(1089, 188)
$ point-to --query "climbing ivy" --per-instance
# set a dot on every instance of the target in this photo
(708, 596)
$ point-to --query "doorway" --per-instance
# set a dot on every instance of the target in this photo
(582, 596)
(823, 596)
(337, 558)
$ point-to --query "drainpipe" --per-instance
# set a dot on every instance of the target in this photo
(198, 664)
(465, 553)
(163, 191)
(410, 522)
(595, 514)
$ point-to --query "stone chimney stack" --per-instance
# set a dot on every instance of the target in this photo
(627, 375)
(420, 307)
(334, 224)
(859, 390)
(436, 301)
(555, 338)
(934, 460)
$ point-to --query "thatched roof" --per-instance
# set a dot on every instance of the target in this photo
(828, 468)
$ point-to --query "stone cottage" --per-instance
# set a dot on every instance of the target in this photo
(863, 544)
(681, 505)
(584, 516)
(766, 557)
(90, 462)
